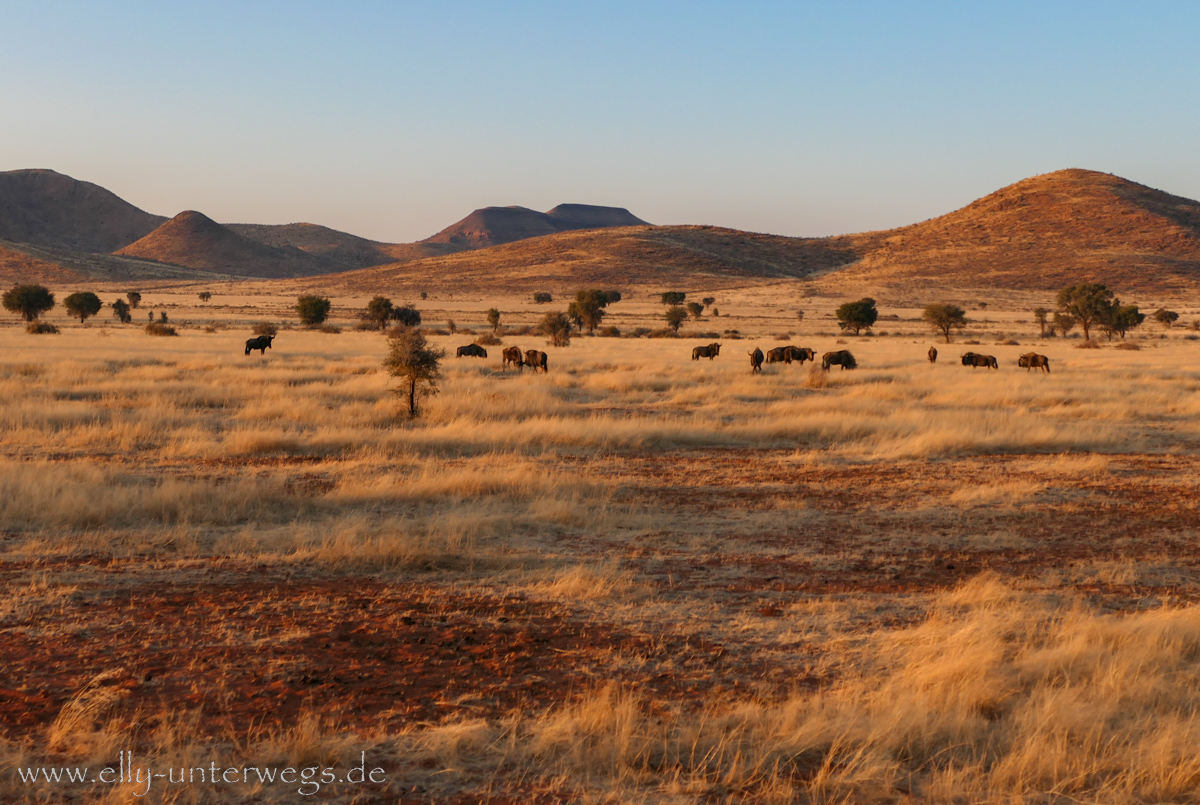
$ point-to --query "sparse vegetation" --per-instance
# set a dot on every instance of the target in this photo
(205, 296)
(41, 328)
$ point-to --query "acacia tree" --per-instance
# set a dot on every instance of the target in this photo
(944, 318)
(857, 316)
(493, 318)
(83, 304)
(542, 297)
(675, 317)
(205, 296)
(1166, 317)
(588, 308)
(30, 301)
(708, 301)
(120, 309)
(1120, 319)
(557, 328)
(417, 366)
(312, 310)
(1063, 323)
(1042, 317)
(409, 316)
(673, 298)
(1086, 303)
(379, 311)
(134, 298)
(696, 309)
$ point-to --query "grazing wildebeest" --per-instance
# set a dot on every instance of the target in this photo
(933, 354)
(262, 343)
(1032, 360)
(536, 359)
(512, 355)
(710, 352)
(801, 354)
(756, 360)
(974, 359)
(472, 351)
(778, 354)
(841, 358)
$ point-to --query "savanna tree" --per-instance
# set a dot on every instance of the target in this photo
(30, 301)
(417, 366)
(857, 316)
(83, 304)
(945, 318)
(312, 310)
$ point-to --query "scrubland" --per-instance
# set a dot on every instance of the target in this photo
(637, 578)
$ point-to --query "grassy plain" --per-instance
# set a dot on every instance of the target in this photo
(637, 578)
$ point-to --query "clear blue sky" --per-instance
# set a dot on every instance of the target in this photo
(392, 120)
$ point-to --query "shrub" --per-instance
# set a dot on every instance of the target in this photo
(134, 298)
(158, 328)
(312, 310)
(41, 328)
(407, 315)
(210, 328)
(378, 312)
(673, 298)
(557, 328)
(675, 317)
(411, 360)
(332, 329)
(609, 332)
(205, 296)
(1127, 345)
(542, 297)
(493, 318)
(121, 311)
(1008, 343)
(264, 328)
(638, 332)
(665, 332)
(488, 340)
(1087, 343)
(30, 301)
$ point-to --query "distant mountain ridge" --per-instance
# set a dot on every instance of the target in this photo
(493, 226)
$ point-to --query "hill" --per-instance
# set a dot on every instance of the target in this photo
(493, 226)
(193, 240)
(45, 208)
(1046, 232)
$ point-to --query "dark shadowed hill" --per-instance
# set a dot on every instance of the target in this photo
(493, 226)
(194, 240)
(45, 208)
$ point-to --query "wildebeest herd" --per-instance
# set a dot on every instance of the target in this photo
(536, 359)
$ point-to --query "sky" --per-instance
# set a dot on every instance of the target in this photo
(392, 120)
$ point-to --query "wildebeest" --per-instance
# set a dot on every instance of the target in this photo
(933, 354)
(1032, 360)
(262, 343)
(472, 351)
(710, 352)
(512, 355)
(779, 354)
(802, 354)
(841, 358)
(974, 359)
(756, 360)
(536, 359)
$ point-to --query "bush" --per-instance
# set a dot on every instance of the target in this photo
(1127, 345)
(407, 315)
(665, 332)
(557, 328)
(332, 329)
(264, 328)
(1008, 343)
(158, 328)
(210, 328)
(541, 297)
(609, 332)
(488, 340)
(638, 332)
(312, 310)
(1087, 343)
(41, 328)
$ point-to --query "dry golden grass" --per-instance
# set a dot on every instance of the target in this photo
(906, 582)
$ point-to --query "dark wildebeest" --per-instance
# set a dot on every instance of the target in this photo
(756, 360)
(1032, 360)
(262, 343)
(512, 355)
(801, 354)
(933, 354)
(536, 359)
(472, 351)
(779, 354)
(974, 359)
(841, 358)
(710, 352)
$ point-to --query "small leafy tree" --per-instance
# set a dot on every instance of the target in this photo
(1064, 323)
(588, 308)
(162, 316)
(696, 309)
(557, 328)
(675, 317)
(1166, 317)
(134, 298)
(424, 295)
(264, 328)
(673, 298)
(857, 316)
(379, 311)
(205, 296)
(613, 297)
(30, 301)
(312, 310)
(120, 310)
(493, 318)
(1086, 303)
(944, 318)
(417, 366)
(541, 297)
(83, 304)
(708, 301)
(1042, 317)
(1120, 319)
(716, 312)
(799, 315)
(409, 316)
